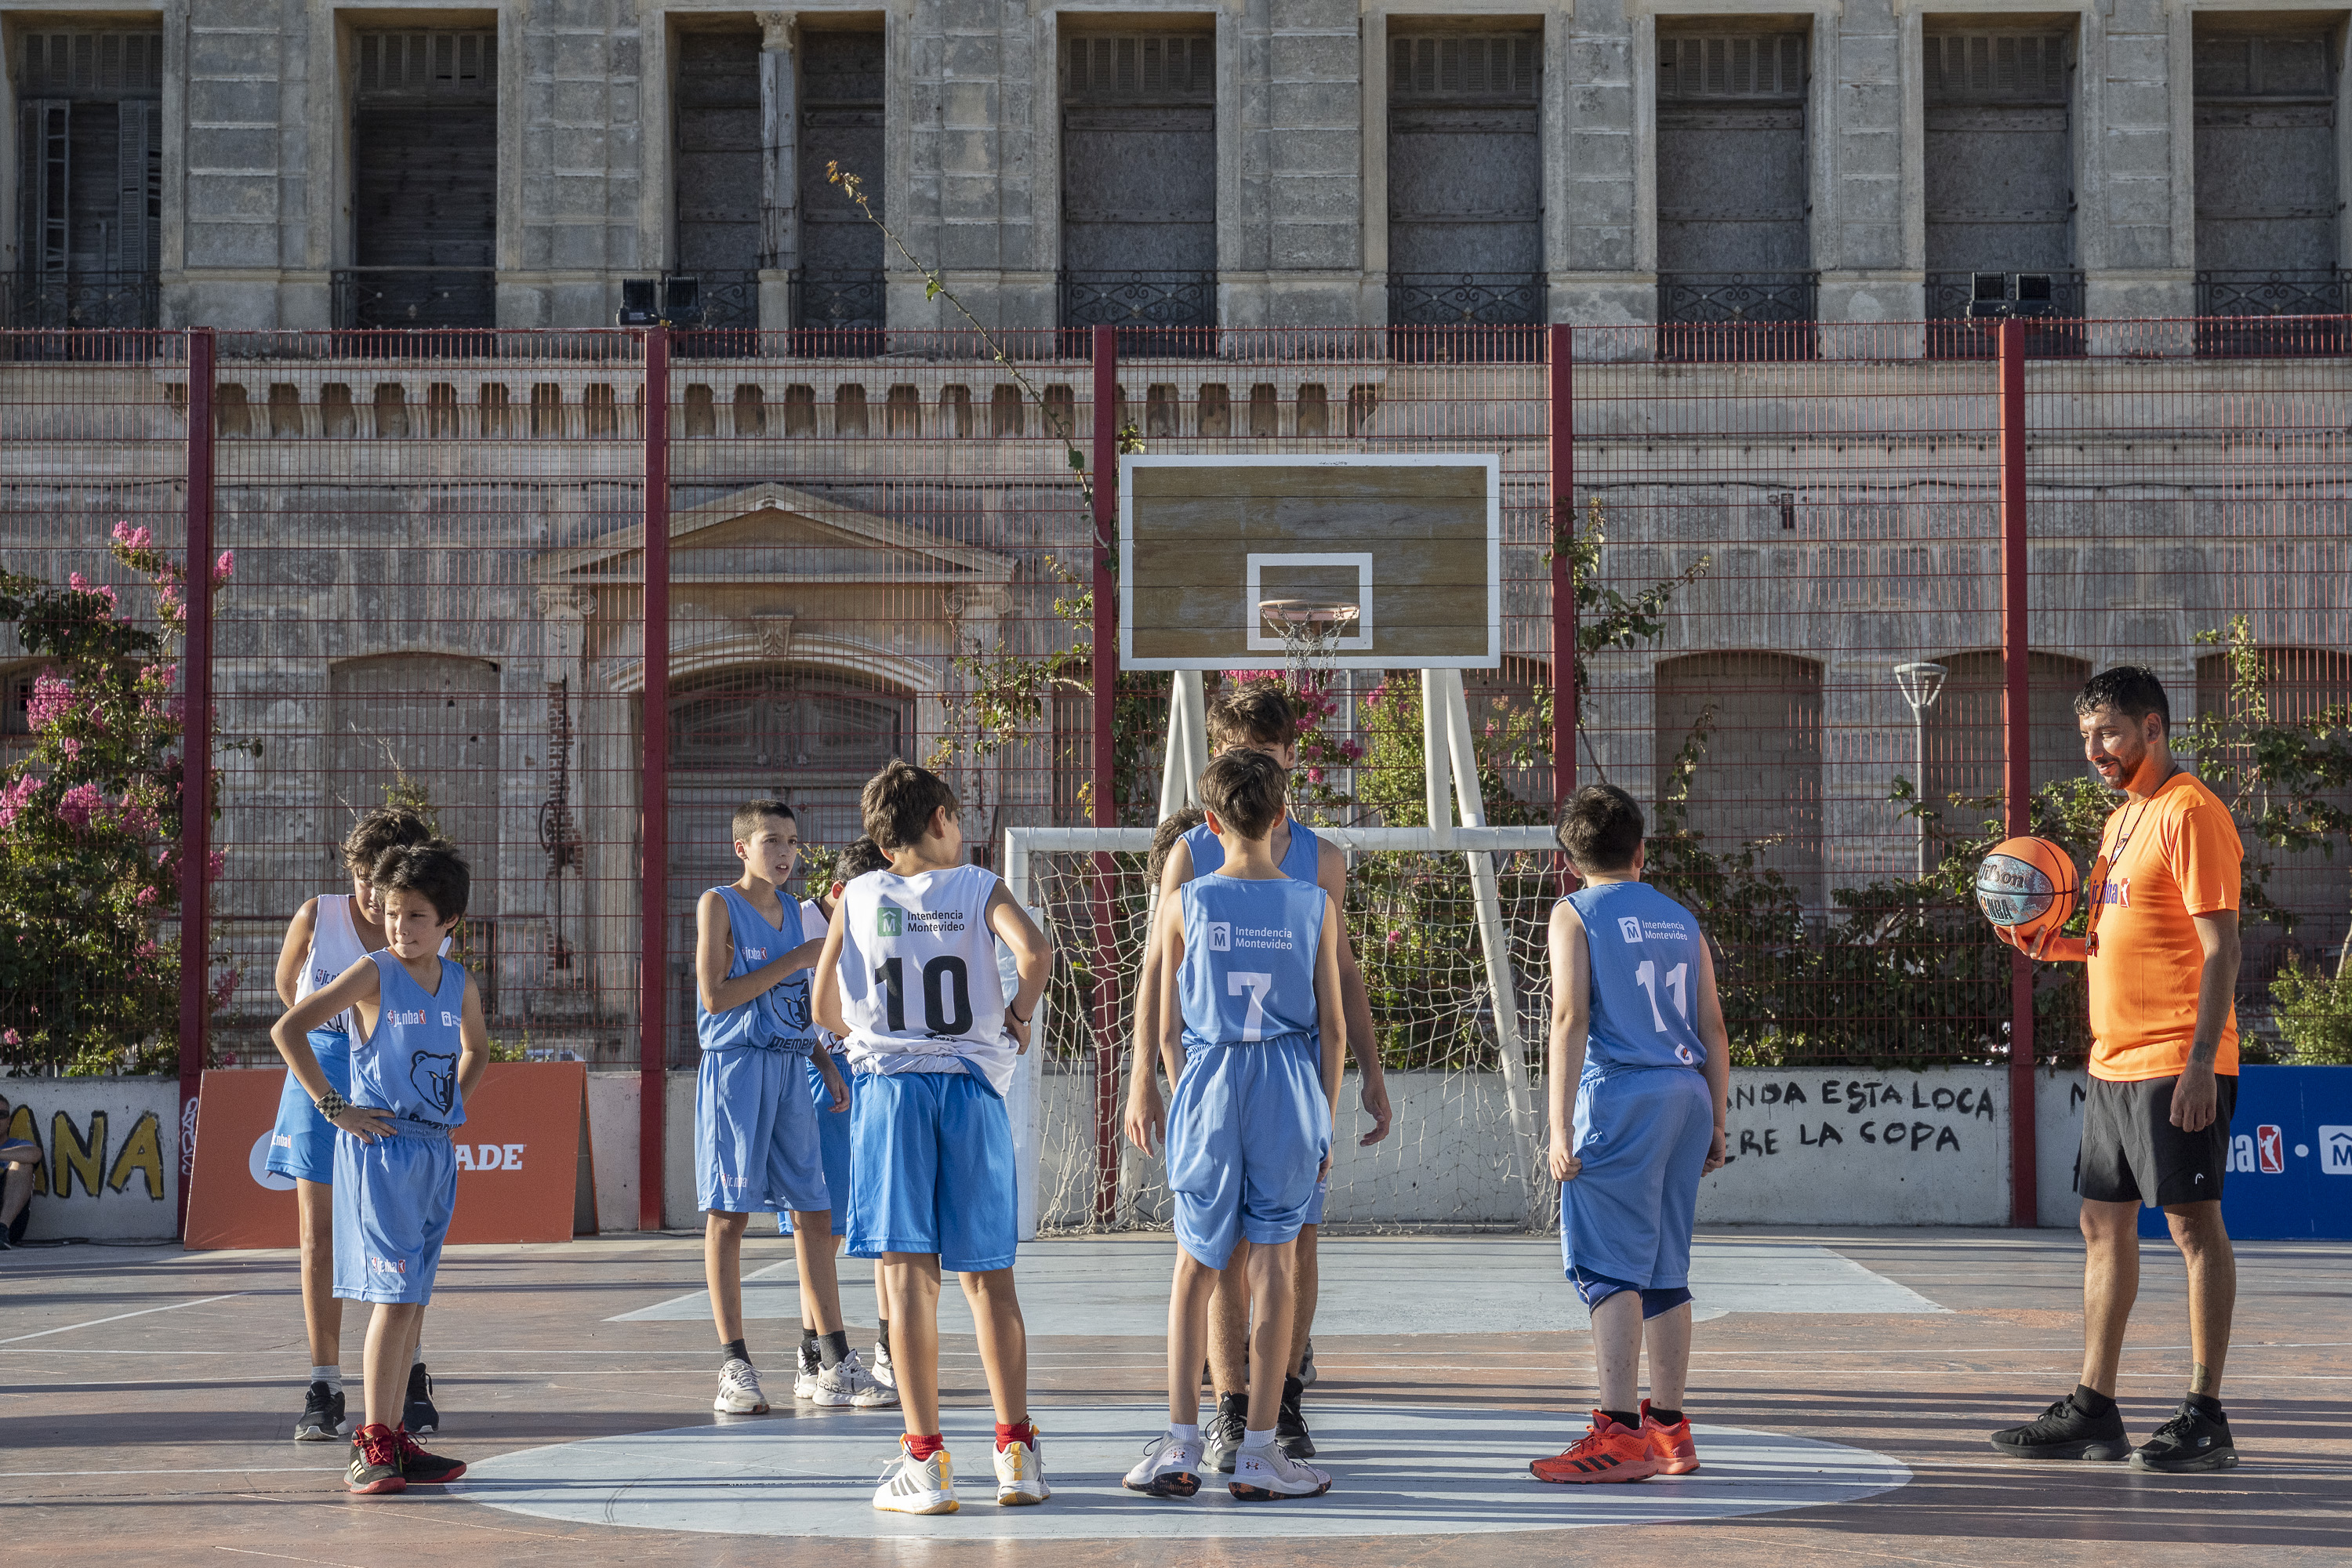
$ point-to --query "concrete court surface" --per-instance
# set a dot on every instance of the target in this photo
(1843, 1382)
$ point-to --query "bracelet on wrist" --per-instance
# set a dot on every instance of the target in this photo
(1018, 1018)
(332, 1105)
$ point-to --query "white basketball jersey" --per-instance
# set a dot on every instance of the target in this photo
(812, 923)
(919, 971)
(334, 947)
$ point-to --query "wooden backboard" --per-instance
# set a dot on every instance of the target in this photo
(1415, 541)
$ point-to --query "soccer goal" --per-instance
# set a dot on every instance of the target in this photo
(1448, 927)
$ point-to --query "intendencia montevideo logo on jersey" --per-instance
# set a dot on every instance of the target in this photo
(1633, 929)
(1224, 937)
(889, 920)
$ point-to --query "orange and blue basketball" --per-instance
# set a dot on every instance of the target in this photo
(2027, 885)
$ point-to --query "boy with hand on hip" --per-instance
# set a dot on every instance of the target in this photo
(419, 1050)
(756, 1145)
(1251, 1013)
(1637, 1026)
(909, 981)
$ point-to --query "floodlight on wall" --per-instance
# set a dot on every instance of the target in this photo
(660, 302)
(1921, 683)
(1995, 295)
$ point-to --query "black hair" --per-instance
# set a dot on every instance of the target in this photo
(433, 870)
(861, 855)
(2131, 689)
(1600, 827)
(1245, 790)
(385, 828)
(751, 813)
(898, 803)
(1259, 712)
(1164, 837)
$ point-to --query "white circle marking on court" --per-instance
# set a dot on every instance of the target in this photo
(1395, 1471)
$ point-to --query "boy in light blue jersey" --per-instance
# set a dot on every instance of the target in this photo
(418, 1049)
(1250, 1009)
(1638, 1029)
(756, 1145)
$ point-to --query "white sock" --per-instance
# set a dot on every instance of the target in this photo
(332, 1376)
(1257, 1439)
(418, 1358)
(1190, 1433)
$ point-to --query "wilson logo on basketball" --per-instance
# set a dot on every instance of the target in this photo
(2269, 1150)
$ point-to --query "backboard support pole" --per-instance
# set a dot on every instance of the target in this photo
(1188, 743)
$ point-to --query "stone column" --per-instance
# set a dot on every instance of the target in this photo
(780, 174)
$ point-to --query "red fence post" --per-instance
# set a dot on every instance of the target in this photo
(2017, 760)
(196, 753)
(1106, 809)
(653, 893)
(1562, 380)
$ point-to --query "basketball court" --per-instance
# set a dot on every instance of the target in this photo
(1842, 1385)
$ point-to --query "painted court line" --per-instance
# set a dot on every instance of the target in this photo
(228, 1471)
(117, 1316)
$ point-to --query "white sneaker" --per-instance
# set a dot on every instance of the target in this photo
(739, 1390)
(1170, 1467)
(849, 1383)
(1267, 1475)
(883, 1372)
(1021, 1474)
(916, 1486)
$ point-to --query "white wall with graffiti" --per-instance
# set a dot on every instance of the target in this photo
(109, 1166)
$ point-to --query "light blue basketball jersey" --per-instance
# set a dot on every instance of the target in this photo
(777, 1018)
(409, 1066)
(1300, 861)
(1248, 973)
(1646, 957)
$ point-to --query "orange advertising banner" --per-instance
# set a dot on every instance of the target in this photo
(523, 1159)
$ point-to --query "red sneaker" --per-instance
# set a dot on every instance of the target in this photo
(1670, 1445)
(375, 1463)
(1608, 1451)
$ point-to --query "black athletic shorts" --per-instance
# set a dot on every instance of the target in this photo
(2133, 1153)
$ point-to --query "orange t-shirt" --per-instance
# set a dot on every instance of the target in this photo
(2161, 861)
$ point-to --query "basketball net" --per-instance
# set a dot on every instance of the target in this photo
(1310, 631)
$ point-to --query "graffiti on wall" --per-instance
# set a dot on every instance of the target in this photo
(1910, 1116)
(87, 1155)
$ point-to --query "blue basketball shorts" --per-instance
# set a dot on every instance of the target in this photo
(394, 1199)
(1247, 1130)
(930, 1171)
(302, 1143)
(1625, 1220)
(833, 1143)
(755, 1137)
(1314, 1206)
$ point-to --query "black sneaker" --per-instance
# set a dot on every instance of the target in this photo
(322, 1416)
(419, 1468)
(1223, 1439)
(417, 1415)
(2191, 1440)
(2064, 1432)
(375, 1463)
(1290, 1427)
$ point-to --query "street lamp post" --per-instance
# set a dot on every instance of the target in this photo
(1920, 684)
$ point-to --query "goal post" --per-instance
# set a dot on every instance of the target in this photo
(1448, 925)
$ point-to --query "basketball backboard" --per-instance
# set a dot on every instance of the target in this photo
(1414, 542)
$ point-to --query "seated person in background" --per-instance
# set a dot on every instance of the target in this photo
(20, 1159)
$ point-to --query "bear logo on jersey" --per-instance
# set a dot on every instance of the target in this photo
(1630, 928)
(433, 1075)
(1220, 937)
(793, 1006)
(890, 920)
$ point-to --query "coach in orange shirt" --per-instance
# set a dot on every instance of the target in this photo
(2163, 956)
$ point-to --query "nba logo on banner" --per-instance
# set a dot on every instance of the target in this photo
(1630, 927)
(2270, 1152)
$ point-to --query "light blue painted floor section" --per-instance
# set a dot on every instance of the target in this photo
(1370, 1285)
(1396, 1471)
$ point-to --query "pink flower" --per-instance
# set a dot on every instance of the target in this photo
(225, 565)
(1395, 937)
(51, 700)
(147, 896)
(79, 804)
(1314, 775)
(131, 538)
(167, 600)
(15, 797)
(72, 747)
(214, 866)
(11, 1036)
(82, 585)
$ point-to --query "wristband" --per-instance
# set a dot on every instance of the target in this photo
(332, 1105)
(1018, 1018)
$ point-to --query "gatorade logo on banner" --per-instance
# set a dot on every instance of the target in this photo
(517, 1158)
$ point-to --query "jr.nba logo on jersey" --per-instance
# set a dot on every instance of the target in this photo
(889, 921)
(1630, 927)
(1220, 937)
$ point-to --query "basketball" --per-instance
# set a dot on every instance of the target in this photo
(2027, 885)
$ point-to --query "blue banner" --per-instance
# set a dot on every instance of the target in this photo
(2289, 1173)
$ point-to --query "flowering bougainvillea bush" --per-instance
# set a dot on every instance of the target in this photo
(90, 825)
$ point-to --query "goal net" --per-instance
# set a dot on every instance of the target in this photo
(1450, 939)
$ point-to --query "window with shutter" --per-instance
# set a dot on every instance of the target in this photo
(1465, 178)
(90, 178)
(840, 97)
(717, 156)
(1999, 151)
(2265, 158)
(425, 166)
(1138, 178)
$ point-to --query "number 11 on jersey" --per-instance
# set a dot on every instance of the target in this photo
(1645, 975)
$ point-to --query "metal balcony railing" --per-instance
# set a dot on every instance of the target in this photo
(75, 300)
(1728, 317)
(1464, 317)
(1965, 311)
(396, 298)
(837, 313)
(1155, 300)
(2274, 314)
